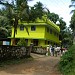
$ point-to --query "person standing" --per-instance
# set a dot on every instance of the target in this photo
(56, 51)
(47, 50)
(30, 48)
(52, 51)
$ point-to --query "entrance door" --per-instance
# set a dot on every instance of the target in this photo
(35, 42)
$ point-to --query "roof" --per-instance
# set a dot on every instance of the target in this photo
(43, 21)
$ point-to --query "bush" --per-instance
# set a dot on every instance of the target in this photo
(1, 43)
(22, 42)
(67, 64)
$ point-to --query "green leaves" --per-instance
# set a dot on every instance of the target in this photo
(67, 62)
(22, 42)
(17, 10)
(37, 11)
(3, 32)
(53, 17)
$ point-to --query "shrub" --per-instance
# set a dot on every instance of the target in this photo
(66, 64)
(1, 43)
(22, 42)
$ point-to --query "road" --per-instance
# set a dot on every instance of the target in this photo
(41, 65)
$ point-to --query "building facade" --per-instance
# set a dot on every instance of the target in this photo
(41, 32)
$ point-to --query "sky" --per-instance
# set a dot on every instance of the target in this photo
(60, 7)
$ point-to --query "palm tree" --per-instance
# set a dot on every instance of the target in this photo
(3, 32)
(16, 10)
(72, 22)
(72, 5)
(38, 10)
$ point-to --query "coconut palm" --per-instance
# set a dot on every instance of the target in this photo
(72, 5)
(72, 22)
(17, 10)
(38, 10)
(4, 25)
(3, 32)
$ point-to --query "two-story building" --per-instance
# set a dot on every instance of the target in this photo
(41, 32)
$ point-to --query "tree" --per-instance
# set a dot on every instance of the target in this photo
(72, 26)
(72, 22)
(3, 32)
(17, 10)
(67, 37)
(37, 11)
(53, 17)
(72, 5)
(62, 25)
(4, 22)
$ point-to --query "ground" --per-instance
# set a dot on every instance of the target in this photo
(41, 65)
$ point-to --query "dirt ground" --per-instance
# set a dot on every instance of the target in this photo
(41, 65)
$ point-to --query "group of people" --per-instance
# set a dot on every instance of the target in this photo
(55, 50)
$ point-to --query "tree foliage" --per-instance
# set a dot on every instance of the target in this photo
(67, 62)
(72, 22)
(72, 5)
(16, 10)
(53, 17)
(3, 32)
(4, 24)
(37, 11)
(22, 42)
(67, 41)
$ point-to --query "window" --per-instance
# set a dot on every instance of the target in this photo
(50, 31)
(55, 33)
(35, 42)
(33, 28)
(22, 28)
(47, 29)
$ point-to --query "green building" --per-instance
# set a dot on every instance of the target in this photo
(41, 32)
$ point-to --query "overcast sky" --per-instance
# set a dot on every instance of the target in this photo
(60, 7)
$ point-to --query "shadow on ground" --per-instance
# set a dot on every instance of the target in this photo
(41, 65)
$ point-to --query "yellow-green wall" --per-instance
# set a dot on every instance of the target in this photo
(38, 33)
(41, 42)
(51, 37)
